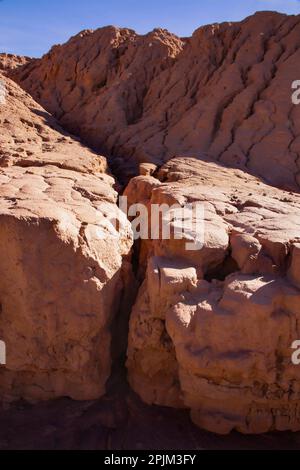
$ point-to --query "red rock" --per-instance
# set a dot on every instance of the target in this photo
(212, 330)
(9, 62)
(61, 283)
(294, 272)
(225, 91)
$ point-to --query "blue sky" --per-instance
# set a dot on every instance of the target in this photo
(31, 27)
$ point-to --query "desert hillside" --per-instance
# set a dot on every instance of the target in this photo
(225, 91)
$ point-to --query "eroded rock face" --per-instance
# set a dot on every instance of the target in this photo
(62, 264)
(30, 136)
(110, 70)
(212, 330)
(225, 91)
(9, 62)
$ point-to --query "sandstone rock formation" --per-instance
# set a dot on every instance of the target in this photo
(225, 91)
(212, 329)
(62, 264)
(96, 84)
(9, 62)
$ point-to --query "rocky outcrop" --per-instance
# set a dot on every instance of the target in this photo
(30, 136)
(212, 329)
(97, 82)
(225, 91)
(9, 62)
(63, 266)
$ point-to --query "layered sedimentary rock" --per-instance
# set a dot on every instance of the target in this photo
(63, 266)
(225, 91)
(212, 329)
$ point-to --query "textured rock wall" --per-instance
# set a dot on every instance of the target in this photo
(225, 91)
(9, 62)
(63, 266)
(212, 329)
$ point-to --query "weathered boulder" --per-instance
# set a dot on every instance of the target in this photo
(63, 265)
(233, 346)
(212, 330)
(152, 364)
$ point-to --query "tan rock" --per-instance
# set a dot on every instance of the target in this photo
(233, 347)
(147, 169)
(62, 263)
(152, 365)
(32, 137)
(229, 311)
(249, 255)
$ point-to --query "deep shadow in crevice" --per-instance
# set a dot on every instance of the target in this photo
(220, 272)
